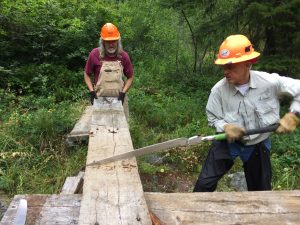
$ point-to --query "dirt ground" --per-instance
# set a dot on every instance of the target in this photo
(168, 182)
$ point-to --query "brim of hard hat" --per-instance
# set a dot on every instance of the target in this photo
(111, 38)
(243, 58)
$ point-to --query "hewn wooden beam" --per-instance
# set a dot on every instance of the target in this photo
(112, 193)
(80, 132)
(73, 185)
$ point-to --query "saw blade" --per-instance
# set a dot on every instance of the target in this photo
(143, 151)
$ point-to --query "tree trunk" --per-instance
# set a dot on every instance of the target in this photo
(194, 42)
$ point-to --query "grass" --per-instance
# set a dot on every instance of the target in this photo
(34, 157)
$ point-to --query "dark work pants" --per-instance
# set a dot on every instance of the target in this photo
(218, 162)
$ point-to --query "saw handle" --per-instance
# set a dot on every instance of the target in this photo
(220, 137)
(263, 129)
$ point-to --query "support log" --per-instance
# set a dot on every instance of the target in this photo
(46, 210)
(219, 208)
(73, 185)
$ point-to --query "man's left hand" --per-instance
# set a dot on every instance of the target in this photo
(121, 96)
(233, 132)
(93, 95)
(288, 123)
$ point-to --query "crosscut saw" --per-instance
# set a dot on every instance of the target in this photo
(179, 142)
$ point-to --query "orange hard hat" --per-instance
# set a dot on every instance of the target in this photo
(109, 32)
(234, 49)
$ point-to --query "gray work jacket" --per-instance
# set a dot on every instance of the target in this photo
(258, 108)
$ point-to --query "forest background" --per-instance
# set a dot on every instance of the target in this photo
(44, 45)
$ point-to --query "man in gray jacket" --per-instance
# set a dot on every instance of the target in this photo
(245, 99)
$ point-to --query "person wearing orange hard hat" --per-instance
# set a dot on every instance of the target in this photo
(245, 99)
(109, 64)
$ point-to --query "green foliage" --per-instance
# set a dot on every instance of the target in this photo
(161, 112)
(38, 173)
(285, 161)
(148, 168)
(277, 64)
(33, 156)
(44, 43)
(49, 80)
(49, 31)
(273, 26)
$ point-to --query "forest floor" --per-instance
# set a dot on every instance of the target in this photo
(180, 181)
(174, 181)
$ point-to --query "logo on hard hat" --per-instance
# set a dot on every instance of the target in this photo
(224, 53)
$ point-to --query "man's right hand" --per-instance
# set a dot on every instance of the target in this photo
(93, 96)
(233, 132)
